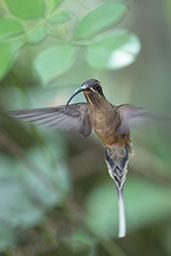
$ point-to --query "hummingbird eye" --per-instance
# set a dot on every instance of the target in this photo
(97, 87)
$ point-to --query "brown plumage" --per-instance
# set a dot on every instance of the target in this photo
(110, 123)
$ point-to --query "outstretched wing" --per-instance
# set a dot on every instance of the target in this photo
(131, 116)
(75, 117)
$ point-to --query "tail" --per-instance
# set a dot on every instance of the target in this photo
(122, 222)
(117, 160)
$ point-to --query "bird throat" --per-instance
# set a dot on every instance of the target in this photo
(93, 98)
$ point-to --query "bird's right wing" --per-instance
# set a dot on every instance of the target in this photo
(75, 117)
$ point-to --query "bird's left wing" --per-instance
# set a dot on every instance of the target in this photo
(75, 117)
(131, 116)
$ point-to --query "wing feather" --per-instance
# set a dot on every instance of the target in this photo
(132, 116)
(73, 118)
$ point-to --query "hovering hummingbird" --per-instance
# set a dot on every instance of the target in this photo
(111, 124)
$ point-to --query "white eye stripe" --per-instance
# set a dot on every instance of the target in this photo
(92, 89)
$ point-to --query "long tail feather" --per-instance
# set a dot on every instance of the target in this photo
(122, 222)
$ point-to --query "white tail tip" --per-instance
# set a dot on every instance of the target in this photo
(122, 222)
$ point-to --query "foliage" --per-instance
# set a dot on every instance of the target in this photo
(56, 197)
(35, 21)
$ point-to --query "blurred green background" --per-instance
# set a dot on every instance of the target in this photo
(56, 197)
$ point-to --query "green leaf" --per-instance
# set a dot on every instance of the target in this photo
(8, 238)
(52, 5)
(27, 193)
(21, 188)
(36, 35)
(94, 22)
(24, 9)
(18, 209)
(40, 186)
(54, 61)
(10, 28)
(8, 53)
(145, 202)
(59, 17)
(56, 3)
(115, 51)
(81, 240)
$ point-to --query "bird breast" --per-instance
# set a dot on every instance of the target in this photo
(105, 122)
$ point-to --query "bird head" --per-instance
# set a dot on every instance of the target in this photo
(91, 86)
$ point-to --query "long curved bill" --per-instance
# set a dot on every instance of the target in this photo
(81, 89)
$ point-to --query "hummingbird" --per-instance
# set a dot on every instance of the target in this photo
(111, 124)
